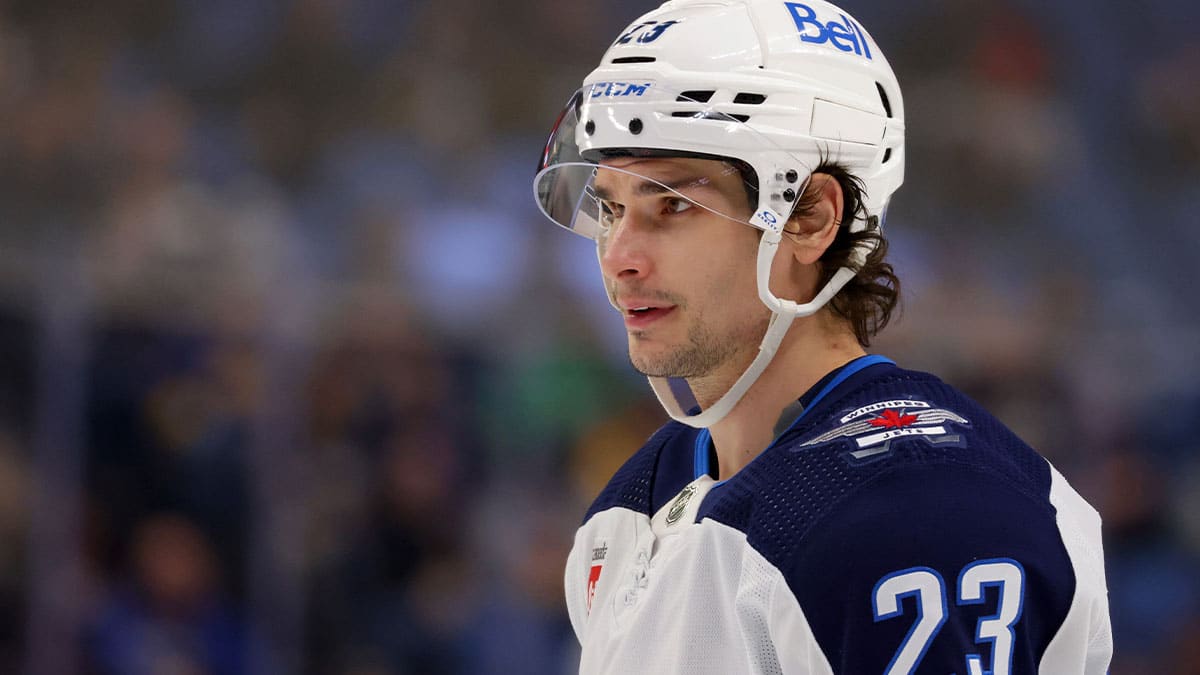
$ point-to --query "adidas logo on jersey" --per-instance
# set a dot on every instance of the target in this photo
(599, 553)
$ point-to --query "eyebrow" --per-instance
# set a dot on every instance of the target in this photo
(650, 187)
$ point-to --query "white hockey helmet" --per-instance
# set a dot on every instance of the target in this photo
(774, 88)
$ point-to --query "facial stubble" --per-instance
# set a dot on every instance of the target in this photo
(704, 352)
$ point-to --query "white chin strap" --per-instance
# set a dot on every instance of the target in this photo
(716, 412)
(784, 312)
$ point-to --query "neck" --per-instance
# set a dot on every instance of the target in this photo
(812, 348)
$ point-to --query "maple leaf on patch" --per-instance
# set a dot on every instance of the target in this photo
(893, 419)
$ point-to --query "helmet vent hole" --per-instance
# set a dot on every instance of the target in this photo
(695, 96)
(887, 154)
(716, 116)
(749, 99)
(887, 105)
(635, 59)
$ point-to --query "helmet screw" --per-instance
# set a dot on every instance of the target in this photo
(792, 176)
(590, 127)
(789, 194)
(635, 126)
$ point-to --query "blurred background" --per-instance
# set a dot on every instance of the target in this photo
(295, 379)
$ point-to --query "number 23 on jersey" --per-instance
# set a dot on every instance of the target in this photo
(993, 633)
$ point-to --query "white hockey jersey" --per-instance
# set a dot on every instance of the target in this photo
(896, 527)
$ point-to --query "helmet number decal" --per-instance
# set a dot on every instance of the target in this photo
(645, 32)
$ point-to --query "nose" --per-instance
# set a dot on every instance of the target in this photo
(624, 251)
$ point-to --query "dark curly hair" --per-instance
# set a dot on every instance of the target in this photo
(869, 298)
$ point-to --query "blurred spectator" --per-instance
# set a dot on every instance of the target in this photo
(1153, 584)
(170, 617)
(14, 518)
(519, 621)
(396, 596)
(171, 431)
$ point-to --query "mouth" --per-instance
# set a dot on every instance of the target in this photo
(641, 317)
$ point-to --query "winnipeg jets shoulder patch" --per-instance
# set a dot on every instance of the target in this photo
(873, 427)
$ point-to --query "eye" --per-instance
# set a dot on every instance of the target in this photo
(610, 212)
(677, 205)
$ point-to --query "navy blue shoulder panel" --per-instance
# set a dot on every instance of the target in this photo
(900, 476)
(938, 521)
(653, 475)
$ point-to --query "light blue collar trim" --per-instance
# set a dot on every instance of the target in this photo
(704, 438)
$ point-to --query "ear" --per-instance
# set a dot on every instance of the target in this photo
(812, 232)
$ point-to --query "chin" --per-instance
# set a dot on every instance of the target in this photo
(656, 363)
(645, 363)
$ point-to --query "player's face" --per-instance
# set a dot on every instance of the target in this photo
(683, 276)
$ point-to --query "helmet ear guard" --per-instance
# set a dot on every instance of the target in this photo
(772, 89)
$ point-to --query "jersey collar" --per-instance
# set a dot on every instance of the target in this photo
(831, 381)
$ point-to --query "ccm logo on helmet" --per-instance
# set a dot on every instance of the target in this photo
(847, 36)
(611, 89)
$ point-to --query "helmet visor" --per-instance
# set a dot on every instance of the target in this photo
(655, 154)
(591, 199)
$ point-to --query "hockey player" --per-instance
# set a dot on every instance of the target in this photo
(820, 510)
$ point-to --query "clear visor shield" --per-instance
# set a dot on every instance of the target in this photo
(616, 156)
(593, 200)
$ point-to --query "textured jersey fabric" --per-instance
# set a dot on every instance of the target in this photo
(897, 527)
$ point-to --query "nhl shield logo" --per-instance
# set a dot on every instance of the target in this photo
(873, 427)
(680, 504)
